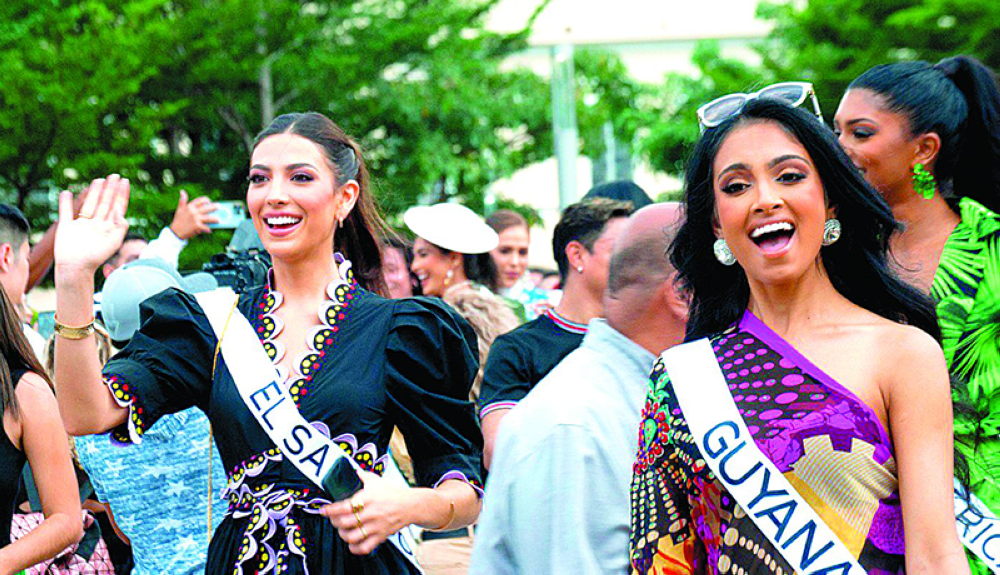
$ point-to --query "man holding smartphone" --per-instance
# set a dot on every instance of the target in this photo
(190, 219)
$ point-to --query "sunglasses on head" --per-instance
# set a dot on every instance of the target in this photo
(794, 94)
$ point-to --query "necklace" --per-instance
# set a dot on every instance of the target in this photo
(322, 338)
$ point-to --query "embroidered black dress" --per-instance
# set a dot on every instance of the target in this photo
(12, 462)
(372, 364)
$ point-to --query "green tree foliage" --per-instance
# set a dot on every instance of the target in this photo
(171, 93)
(67, 103)
(672, 124)
(607, 93)
(831, 42)
(826, 42)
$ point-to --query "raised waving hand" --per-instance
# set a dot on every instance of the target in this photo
(88, 240)
(82, 244)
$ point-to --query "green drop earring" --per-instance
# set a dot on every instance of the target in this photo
(923, 181)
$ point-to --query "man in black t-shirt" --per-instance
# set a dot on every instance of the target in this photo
(518, 360)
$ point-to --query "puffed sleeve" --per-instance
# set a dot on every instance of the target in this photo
(166, 367)
(431, 361)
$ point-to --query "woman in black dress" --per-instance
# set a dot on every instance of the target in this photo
(32, 432)
(356, 369)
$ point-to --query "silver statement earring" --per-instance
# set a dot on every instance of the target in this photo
(723, 253)
(831, 231)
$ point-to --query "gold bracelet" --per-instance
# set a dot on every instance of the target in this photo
(451, 517)
(70, 332)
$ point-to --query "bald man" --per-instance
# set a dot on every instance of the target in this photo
(557, 500)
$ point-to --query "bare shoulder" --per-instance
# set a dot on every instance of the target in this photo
(35, 395)
(910, 343)
(37, 407)
(891, 349)
(906, 353)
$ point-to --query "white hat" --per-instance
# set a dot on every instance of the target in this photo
(131, 284)
(453, 227)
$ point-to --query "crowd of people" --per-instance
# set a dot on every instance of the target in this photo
(796, 369)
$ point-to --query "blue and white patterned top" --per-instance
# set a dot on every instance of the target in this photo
(158, 491)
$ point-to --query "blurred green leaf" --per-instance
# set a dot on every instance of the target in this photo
(171, 93)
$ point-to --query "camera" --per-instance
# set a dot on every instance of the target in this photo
(244, 264)
(239, 270)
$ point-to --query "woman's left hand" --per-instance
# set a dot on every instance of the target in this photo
(370, 516)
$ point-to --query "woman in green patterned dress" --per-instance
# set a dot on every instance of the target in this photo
(928, 137)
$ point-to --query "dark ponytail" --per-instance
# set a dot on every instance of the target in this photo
(959, 100)
(977, 169)
(358, 239)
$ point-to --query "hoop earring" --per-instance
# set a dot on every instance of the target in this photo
(923, 181)
(447, 277)
(723, 253)
(831, 231)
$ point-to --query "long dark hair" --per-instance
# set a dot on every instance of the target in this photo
(958, 99)
(857, 264)
(358, 239)
(16, 353)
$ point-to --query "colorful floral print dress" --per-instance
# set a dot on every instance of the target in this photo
(828, 443)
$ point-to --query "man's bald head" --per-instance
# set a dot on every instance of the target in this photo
(640, 254)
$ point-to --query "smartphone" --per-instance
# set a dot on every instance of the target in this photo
(342, 481)
(230, 213)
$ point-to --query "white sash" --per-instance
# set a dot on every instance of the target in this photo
(720, 433)
(318, 458)
(978, 528)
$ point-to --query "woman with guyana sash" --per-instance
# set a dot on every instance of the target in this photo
(927, 137)
(833, 362)
(355, 366)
